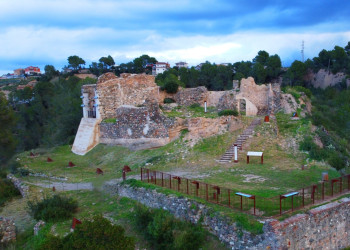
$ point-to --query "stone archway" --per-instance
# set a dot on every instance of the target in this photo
(250, 108)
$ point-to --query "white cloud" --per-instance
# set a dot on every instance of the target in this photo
(37, 45)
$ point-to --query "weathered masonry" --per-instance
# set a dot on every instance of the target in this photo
(125, 111)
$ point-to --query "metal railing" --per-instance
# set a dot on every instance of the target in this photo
(250, 203)
(91, 114)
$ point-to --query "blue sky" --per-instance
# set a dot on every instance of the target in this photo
(41, 32)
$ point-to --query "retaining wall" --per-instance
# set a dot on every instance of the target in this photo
(324, 227)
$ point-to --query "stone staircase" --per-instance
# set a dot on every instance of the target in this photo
(241, 139)
(87, 136)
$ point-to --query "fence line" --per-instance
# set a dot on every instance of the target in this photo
(249, 203)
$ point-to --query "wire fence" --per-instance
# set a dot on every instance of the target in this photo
(250, 203)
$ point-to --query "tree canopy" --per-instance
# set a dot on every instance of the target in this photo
(75, 62)
(7, 125)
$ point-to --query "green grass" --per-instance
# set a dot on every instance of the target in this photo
(192, 112)
(110, 120)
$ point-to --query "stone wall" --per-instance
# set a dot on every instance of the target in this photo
(185, 209)
(258, 95)
(23, 188)
(7, 230)
(324, 227)
(189, 96)
(128, 89)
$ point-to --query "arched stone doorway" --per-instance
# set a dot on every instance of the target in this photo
(243, 104)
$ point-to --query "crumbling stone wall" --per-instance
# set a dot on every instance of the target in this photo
(128, 89)
(258, 95)
(137, 122)
(23, 188)
(7, 230)
(189, 96)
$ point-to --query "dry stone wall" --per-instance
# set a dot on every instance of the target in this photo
(7, 230)
(324, 227)
(23, 188)
(189, 96)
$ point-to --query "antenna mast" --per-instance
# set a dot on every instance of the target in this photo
(302, 51)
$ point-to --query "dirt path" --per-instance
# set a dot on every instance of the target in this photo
(64, 186)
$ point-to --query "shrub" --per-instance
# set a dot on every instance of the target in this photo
(169, 100)
(165, 232)
(7, 191)
(53, 209)
(337, 161)
(307, 92)
(171, 87)
(96, 234)
(227, 112)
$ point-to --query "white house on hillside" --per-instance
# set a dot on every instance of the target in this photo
(181, 65)
(159, 68)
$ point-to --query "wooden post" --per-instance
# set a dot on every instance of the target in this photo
(241, 202)
(323, 190)
(254, 204)
(280, 205)
(262, 159)
(303, 198)
(162, 180)
(206, 191)
(170, 180)
(229, 198)
(247, 159)
(187, 186)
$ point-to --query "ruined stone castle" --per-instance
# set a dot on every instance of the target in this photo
(126, 111)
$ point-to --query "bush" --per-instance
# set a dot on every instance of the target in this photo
(227, 112)
(307, 92)
(7, 191)
(169, 100)
(337, 160)
(53, 209)
(171, 87)
(96, 234)
(165, 232)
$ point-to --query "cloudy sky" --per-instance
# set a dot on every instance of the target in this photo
(41, 32)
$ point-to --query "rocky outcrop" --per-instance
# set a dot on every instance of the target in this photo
(323, 79)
